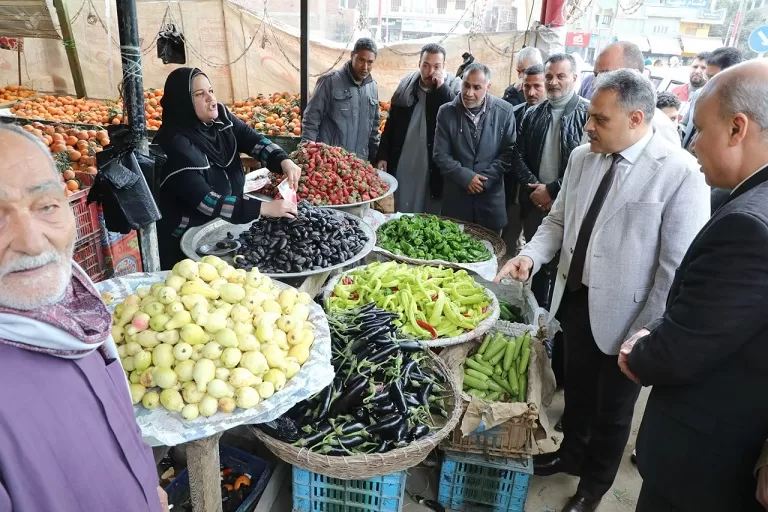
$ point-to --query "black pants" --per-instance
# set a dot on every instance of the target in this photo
(651, 501)
(543, 282)
(599, 401)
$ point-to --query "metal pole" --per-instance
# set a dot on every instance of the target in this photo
(739, 23)
(304, 63)
(133, 103)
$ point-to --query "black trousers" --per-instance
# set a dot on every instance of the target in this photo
(651, 501)
(599, 401)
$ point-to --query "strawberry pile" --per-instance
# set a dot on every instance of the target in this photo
(331, 176)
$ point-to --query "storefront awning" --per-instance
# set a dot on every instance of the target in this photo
(665, 45)
(694, 45)
(639, 41)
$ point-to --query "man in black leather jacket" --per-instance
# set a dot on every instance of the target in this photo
(547, 135)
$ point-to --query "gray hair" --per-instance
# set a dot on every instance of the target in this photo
(634, 91)
(530, 54)
(475, 67)
(12, 128)
(560, 57)
(742, 94)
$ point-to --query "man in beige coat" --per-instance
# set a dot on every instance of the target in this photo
(630, 204)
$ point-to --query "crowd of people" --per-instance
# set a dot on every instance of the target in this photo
(647, 240)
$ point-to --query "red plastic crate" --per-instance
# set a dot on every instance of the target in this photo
(86, 215)
(90, 256)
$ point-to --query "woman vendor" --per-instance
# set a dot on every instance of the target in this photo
(203, 177)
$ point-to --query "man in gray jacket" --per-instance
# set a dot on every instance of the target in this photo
(344, 108)
(474, 141)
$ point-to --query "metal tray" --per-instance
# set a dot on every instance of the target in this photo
(357, 209)
(217, 230)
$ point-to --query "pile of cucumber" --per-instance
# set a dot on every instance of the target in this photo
(498, 371)
(510, 313)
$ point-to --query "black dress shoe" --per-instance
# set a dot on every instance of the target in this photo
(580, 503)
(559, 425)
(633, 457)
(548, 464)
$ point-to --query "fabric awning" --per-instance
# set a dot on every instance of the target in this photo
(665, 45)
(694, 45)
(27, 18)
(639, 41)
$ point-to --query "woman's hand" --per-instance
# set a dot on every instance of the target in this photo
(279, 208)
(292, 173)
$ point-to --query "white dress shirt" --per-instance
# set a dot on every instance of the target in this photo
(630, 156)
(745, 179)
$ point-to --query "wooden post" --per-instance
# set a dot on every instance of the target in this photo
(204, 474)
(71, 47)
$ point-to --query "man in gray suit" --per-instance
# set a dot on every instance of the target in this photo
(629, 206)
(474, 142)
(624, 55)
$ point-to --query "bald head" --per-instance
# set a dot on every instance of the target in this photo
(11, 136)
(731, 119)
(620, 55)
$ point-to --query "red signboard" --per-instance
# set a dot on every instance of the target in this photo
(11, 43)
(580, 39)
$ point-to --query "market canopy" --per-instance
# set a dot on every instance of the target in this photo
(639, 41)
(665, 45)
(27, 18)
(694, 45)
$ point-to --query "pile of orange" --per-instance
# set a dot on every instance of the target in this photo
(384, 113)
(15, 93)
(73, 150)
(278, 114)
(67, 109)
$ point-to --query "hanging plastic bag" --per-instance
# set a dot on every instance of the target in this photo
(120, 185)
(170, 46)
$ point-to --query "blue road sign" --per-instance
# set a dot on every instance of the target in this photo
(758, 39)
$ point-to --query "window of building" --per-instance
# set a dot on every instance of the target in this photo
(347, 4)
(396, 5)
(690, 31)
(442, 5)
(461, 5)
(660, 30)
(606, 19)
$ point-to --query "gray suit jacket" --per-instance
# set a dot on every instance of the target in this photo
(460, 159)
(638, 240)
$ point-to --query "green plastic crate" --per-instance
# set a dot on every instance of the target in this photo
(313, 492)
(475, 483)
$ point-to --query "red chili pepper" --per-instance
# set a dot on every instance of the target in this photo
(426, 326)
(465, 314)
(485, 309)
(434, 297)
(226, 472)
(394, 289)
(354, 296)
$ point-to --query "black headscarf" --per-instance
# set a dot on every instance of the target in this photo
(214, 139)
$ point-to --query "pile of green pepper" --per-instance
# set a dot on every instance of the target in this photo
(431, 302)
(498, 372)
(428, 237)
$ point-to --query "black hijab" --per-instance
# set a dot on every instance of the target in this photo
(214, 139)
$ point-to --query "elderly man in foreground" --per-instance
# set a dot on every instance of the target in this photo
(68, 437)
(629, 206)
(706, 421)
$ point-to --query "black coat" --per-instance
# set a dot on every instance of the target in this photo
(707, 360)
(511, 186)
(513, 95)
(194, 191)
(396, 128)
(530, 144)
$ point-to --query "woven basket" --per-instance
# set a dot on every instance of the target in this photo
(482, 233)
(360, 467)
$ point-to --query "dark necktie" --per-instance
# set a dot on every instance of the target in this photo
(576, 272)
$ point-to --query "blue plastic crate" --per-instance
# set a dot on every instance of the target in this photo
(240, 462)
(318, 493)
(474, 483)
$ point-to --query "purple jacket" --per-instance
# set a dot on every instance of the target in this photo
(68, 437)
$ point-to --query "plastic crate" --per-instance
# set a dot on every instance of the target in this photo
(318, 493)
(477, 484)
(86, 215)
(89, 255)
(239, 461)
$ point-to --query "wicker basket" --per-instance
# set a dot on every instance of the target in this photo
(360, 467)
(482, 233)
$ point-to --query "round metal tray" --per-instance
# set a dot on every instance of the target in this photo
(217, 230)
